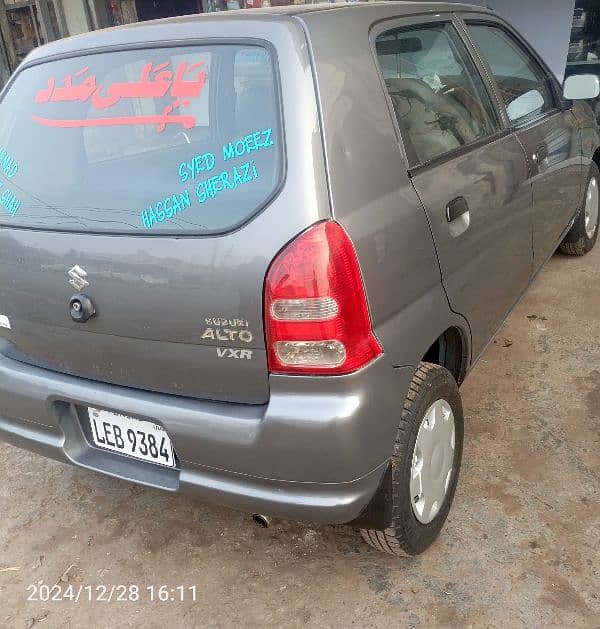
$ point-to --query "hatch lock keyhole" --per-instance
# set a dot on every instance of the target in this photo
(81, 308)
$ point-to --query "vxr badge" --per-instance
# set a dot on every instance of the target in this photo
(78, 275)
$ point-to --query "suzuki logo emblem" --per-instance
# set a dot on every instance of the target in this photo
(78, 275)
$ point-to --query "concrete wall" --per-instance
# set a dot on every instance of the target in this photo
(129, 11)
(75, 17)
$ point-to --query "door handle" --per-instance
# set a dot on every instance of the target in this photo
(456, 208)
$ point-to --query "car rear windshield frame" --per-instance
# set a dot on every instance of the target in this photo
(154, 45)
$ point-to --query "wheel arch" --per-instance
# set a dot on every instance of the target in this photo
(450, 350)
(596, 157)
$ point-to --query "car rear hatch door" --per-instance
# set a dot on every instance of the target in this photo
(148, 181)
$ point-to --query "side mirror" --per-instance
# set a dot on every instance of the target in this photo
(582, 87)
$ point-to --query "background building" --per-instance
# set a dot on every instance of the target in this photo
(25, 24)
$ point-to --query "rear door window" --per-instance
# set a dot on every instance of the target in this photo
(439, 98)
(162, 141)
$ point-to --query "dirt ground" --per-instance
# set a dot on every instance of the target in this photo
(521, 546)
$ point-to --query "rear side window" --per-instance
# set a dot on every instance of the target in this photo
(438, 96)
(162, 141)
(524, 86)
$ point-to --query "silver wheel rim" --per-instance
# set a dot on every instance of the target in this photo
(432, 461)
(591, 208)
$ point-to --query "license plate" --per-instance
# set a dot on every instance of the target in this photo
(132, 437)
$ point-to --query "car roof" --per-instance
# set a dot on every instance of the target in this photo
(167, 27)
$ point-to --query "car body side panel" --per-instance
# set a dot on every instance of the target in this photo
(555, 178)
(487, 266)
(372, 195)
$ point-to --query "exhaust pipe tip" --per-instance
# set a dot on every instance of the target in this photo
(264, 521)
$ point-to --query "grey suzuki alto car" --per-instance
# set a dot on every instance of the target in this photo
(254, 255)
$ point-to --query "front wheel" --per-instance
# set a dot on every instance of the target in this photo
(584, 233)
(425, 463)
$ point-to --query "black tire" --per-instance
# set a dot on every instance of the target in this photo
(577, 242)
(407, 535)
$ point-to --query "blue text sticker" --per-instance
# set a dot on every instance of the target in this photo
(213, 181)
(8, 167)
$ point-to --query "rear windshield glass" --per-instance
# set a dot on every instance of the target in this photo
(167, 140)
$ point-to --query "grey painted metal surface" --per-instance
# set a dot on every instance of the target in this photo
(556, 178)
(308, 447)
(314, 452)
(490, 264)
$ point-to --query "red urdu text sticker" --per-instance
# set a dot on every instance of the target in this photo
(155, 82)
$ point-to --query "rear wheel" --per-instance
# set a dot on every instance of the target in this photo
(425, 464)
(584, 233)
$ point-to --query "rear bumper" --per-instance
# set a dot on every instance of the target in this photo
(316, 452)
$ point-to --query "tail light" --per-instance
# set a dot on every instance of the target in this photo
(316, 314)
